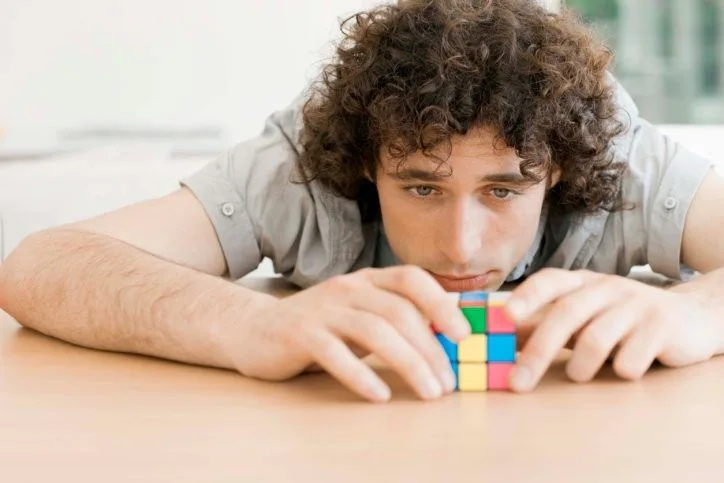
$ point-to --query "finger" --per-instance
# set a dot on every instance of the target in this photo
(565, 316)
(598, 340)
(409, 322)
(435, 304)
(523, 333)
(338, 360)
(639, 350)
(543, 288)
(377, 335)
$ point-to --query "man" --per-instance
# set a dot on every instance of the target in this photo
(451, 145)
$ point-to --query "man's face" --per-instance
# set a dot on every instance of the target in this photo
(468, 229)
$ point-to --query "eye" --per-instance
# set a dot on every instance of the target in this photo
(422, 191)
(502, 193)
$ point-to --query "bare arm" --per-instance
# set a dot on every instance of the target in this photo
(144, 279)
(147, 279)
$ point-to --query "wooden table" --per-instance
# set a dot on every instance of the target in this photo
(73, 414)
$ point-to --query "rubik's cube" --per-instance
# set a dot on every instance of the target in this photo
(483, 360)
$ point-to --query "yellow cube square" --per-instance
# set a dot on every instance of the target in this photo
(472, 377)
(473, 349)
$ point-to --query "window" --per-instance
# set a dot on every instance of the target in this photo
(669, 54)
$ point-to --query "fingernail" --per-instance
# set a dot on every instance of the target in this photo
(448, 380)
(381, 392)
(464, 328)
(521, 378)
(432, 388)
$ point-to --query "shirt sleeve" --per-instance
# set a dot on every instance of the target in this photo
(258, 211)
(660, 184)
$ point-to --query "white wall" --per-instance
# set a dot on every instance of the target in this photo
(154, 63)
(158, 63)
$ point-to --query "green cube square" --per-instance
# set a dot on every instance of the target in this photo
(477, 318)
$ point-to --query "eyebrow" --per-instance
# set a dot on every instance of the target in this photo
(416, 174)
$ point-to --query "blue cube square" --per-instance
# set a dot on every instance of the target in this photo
(501, 347)
(474, 296)
(451, 348)
(456, 371)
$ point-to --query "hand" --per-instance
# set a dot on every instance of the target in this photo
(605, 315)
(390, 312)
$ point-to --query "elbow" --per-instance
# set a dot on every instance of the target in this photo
(18, 269)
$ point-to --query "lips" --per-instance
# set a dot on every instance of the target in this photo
(465, 283)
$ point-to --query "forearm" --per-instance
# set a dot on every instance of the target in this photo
(98, 292)
(708, 289)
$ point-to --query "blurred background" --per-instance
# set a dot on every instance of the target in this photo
(106, 102)
(203, 73)
(197, 74)
(669, 54)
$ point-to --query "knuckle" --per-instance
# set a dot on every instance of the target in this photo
(403, 315)
(414, 271)
(657, 322)
(342, 283)
(566, 306)
(313, 341)
(409, 276)
(324, 350)
(586, 274)
(608, 283)
(364, 273)
(535, 288)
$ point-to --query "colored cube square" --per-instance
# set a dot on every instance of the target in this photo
(498, 322)
(501, 348)
(497, 299)
(476, 318)
(473, 348)
(472, 377)
(498, 375)
(475, 298)
(451, 348)
(456, 371)
(485, 359)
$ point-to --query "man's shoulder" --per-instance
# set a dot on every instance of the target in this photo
(261, 207)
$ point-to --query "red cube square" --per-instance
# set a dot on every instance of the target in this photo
(498, 321)
(498, 375)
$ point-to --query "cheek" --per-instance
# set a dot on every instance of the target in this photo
(408, 232)
(517, 225)
(395, 205)
(527, 217)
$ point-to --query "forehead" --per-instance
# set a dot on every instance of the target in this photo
(478, 149)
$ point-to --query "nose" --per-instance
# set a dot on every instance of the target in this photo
(460, 232)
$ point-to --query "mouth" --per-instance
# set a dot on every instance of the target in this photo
(464, 283)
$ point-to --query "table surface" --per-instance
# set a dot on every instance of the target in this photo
(70, 412)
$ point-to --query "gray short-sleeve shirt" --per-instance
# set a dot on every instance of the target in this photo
(310, 234)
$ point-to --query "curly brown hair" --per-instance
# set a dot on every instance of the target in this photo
(407, 77)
